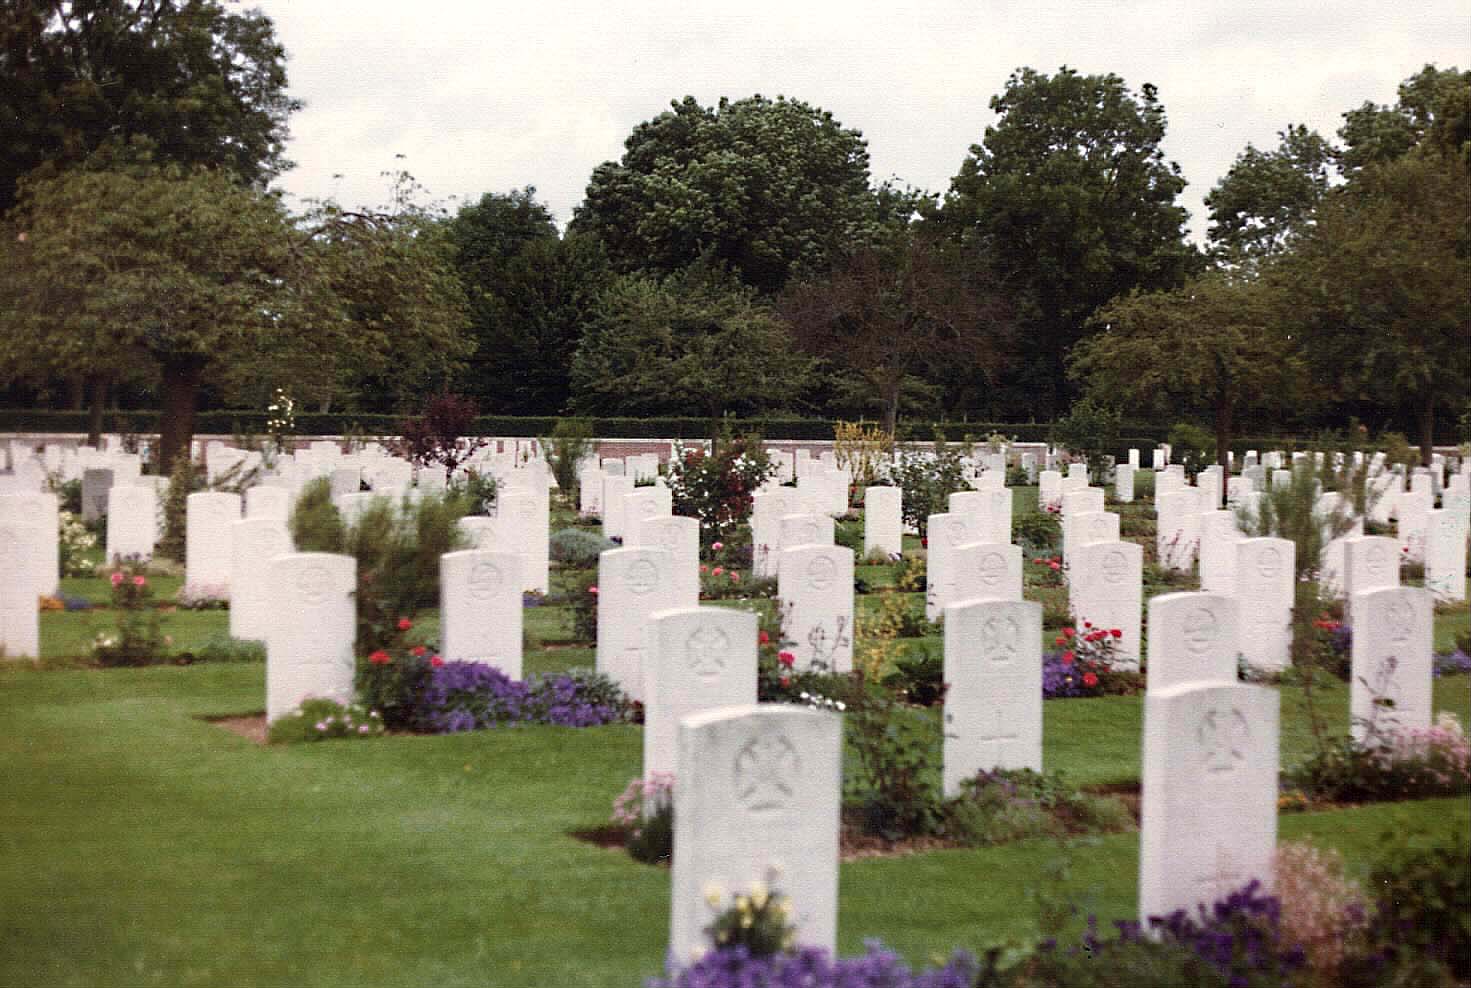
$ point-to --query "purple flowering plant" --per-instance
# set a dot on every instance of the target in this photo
(465, 696)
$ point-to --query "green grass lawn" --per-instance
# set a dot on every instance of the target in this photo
(146, 846)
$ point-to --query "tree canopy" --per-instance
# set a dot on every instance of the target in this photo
(1070, 201)
(1268, 196)
(185, 80)
(766, 187)
(193, 275)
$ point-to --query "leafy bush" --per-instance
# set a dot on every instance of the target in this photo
(1323, 911)
(578, 548)
(186, 478)
(582, 594)
(1083, 665)
(223, 648)
(1037, 532)
(863, 450)
(440, 436)
(918, 677)
(1006, 805)
(1411, 764)
(138, 640)
(478, 491)
(74, 542)
(928, 480)
(1090, 431)
(645, 812)
(570, 442)
(68, 494)
(718, 489)
(316, 524)
(392, 681)
(896, 746)
(318, 719)
(464, 696)
(1422, 911)
(1192, 447)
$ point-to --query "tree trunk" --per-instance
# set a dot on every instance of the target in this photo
(1223, 439)
(96, 386)
(76, 393)
(176, 421)
(1426, 419)
(890, 395)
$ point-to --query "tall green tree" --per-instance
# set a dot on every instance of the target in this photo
(1268, 197)
(889, 314)
(187, 80)
(1209, 348)
(1434, 108)
(528, 291)
(696, 338)
(1068, 199)
(766, 187)
(205, 280)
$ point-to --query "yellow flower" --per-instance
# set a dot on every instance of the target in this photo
(713, 895)
(758, 895)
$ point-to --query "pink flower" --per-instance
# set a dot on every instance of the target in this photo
(138, 581)
(592, 590)
(735, 577)
(117, 579)
(717, 546)
(717, 570)
(786, 658)
(762, 638)
(435, 661)
(704, 568)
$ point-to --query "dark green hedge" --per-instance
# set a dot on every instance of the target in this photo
(225, 423)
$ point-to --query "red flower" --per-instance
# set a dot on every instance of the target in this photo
(924, 543)
(717, 570)
(786, 658)
(592, 590)
(435, 661)
(1054, 567)
(418, 650)
(1116, 633)
(1087, 624)
(762, 638)
(1068, 632)
(1089, 679)
(404, 624)
(786, 681)
(380, 658)
(1059, 640)
(1067, 658)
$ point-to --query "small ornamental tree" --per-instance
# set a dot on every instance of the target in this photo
(437, 436)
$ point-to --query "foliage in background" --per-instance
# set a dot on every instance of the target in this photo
(863, 450)
(717, 488)
(578, 548)
(645, 812)
(183, 479)
(439, 436)
(570, 443)
(1090, 430)
(397, 548)
(73, 543)
(928, 479)
(1005, 805)
(1192, 447)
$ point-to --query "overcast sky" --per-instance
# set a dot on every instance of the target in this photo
(486, 97)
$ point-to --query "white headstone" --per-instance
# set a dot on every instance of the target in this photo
(767, 511)
(590, 491)
(815, 586)
(615, 489)
(1391, 662)
(1192, 639)
(644, 504)
(947, 532)
(987, 571)
(993, 707)
(1209, 815)
(480, 593)
(1107, 588)
(680, 537)
(883, 521)
(1123, 479)
(695, 659)
(1371, 562)
(1445, 556)
(1412, 511)
(132, 522)
(254, 545)
(309, 644)
(209, 518)
(1049, 491)
(36, 519)
(757, 796)
(21, 560)
(1219, 534)
(1178, 533)
(268, 502)
(1264, 582)
(632, 584)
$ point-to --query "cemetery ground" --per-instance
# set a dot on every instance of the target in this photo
(146, 845)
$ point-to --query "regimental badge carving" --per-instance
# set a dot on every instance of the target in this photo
(485, 579)
(999, 639)
(1115, 566)
(1378, 561)
(821, 572)
(1399, 619)
(765, 776)
(1201, 629)
(1223, 739)
(956, 531)
(807, 533)
(313, 583)
(647, 508)
(1269, 562)
(642, 576)
(706, 652)
(1101, 530)
(993, 568)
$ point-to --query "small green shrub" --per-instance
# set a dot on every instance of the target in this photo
(1089, 430)
(918, 677)
(896, 746)
(316, 524)
(1037, 532)
(318, 719)
(1423, 909)
(645, 812)
(578, 548)
(138, 640)
(392, 680)
(570, 442)
(1007, 805)
(1192, 447)
(223, 648)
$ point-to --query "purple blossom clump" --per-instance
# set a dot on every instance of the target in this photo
(1448, 664)
(1059, 680)
(813, 967)
(1239, 936)
(464, 696)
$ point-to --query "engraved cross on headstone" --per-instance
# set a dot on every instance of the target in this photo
(999, 737)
